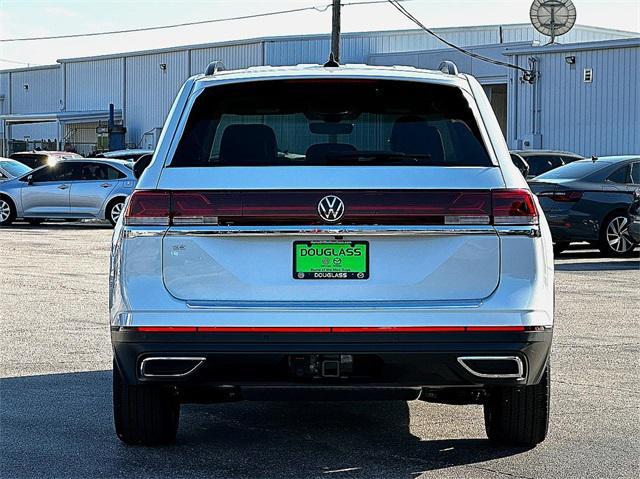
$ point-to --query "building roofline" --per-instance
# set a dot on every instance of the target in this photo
(257, 40)
(30, 69)
(573, 47)
(447, 49)
(248, 41)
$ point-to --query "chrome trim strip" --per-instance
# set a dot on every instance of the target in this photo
(532, 231)
(167, 358)
(340, 230)
(329, 305)
(519, 375)
(143, 231)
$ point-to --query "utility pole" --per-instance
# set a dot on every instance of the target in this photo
(335, 31)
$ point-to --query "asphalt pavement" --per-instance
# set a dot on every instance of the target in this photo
(55, 391)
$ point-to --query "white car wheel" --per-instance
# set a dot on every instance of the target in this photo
(6, 213)
(617, 235)
(115, 212)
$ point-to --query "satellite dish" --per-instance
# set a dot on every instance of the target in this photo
(553, 17)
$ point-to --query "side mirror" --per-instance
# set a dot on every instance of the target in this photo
(141, 165)
(30, 180)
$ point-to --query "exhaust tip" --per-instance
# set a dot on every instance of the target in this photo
(493, 367)
(169, 367)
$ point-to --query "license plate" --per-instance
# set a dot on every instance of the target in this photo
(330, 259)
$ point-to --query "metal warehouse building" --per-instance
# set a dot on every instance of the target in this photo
(585, 97)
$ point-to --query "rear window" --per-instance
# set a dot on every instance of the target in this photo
(333, 123)
(575, 170)
(542, 163)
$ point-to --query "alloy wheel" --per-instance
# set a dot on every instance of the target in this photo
(618, 237)
(5, 211)
(116, 211)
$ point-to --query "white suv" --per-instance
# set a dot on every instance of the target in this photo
(332, 232)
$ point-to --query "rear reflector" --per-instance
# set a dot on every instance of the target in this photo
(326, 329)
(449, 207)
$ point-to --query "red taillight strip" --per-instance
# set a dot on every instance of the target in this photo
(494, 328)
(322, 329)
(399, 329)
(166, 329)
(250, 329)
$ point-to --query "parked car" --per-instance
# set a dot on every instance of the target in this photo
(634, 217)
(588, 200)
(36, 159)
(10, 169)
(521, 164)
(68, 189)
(127, 155)
(541, 161)
(309, 232)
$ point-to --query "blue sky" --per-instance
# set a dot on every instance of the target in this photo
(21, 18)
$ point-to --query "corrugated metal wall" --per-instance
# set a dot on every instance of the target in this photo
(83, 136)
(150, 90)
(601, 117)
(35, 131)
(233, 56)
(92, 85)
(4, 93)
(483, 71)
(43, 92)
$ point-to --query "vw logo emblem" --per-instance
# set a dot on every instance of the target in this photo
(331, 209)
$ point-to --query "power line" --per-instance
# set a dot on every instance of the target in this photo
(17, 62)
(187, 24)
(527, 75)
(163, 27)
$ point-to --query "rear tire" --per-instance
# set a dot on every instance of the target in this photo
(7, 211)
(615, 240)
(114, 210)
(518, 416)
(144, 414)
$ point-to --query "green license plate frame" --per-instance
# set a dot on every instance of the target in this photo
(331, 260)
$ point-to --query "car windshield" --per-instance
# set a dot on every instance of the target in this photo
(14, 168)
(331, 122)
(575, 170)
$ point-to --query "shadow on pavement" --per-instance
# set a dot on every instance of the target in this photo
(60, 425)
(59, 226)
(599, 266)
(603, 264)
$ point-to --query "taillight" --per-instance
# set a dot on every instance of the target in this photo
(514, 207)
(562, 196)
(148, 208)
(164, 208)
(193, 208)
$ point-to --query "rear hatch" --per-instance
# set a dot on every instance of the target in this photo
(329, 192)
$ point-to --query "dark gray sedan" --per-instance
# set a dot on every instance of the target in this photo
(588, 200)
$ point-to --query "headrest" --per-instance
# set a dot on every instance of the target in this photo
(253, 144)
(415, 136)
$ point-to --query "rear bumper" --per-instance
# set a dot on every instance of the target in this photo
(380, 359)
(570, 226)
